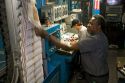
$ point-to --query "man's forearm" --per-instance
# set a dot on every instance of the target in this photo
(54, 40)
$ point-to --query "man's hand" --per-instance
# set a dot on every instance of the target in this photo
(73, 42)
(37, 31)
(40, 32)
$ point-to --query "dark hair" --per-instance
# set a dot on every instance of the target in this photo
(101, 21)
(74, 22)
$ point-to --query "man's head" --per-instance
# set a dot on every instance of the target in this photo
(47, 21)
(96, 24)
(76, 24)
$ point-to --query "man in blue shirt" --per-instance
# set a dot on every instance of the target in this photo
(93, 48)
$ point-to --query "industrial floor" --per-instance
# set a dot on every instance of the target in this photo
(115, 56)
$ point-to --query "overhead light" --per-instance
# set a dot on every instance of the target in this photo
(113, 2)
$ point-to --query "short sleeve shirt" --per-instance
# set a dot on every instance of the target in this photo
(93, 49)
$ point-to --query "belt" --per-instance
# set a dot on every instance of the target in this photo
(107, 74)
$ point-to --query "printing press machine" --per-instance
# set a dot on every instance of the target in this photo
(59, 66)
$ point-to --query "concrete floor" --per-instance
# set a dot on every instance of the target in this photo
(112, 62)
(114, 54)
